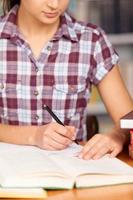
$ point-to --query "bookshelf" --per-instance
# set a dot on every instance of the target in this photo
(116, 18)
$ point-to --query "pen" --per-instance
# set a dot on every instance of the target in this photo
(55, 117)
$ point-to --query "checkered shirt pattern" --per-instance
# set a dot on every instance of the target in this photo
(78, 56)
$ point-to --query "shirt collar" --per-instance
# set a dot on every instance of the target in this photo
(8, 25)
(66, 28)
(9, 29)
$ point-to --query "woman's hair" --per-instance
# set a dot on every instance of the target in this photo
(8, 4)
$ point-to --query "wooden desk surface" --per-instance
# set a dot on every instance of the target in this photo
(124, 192)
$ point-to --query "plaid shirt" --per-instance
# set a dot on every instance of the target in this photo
(78, 56)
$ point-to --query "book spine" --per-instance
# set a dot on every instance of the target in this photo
(131, 144)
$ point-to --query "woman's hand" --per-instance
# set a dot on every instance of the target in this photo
(54, 136)
(101, 144)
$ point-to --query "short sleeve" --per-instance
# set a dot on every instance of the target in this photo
(104, 57)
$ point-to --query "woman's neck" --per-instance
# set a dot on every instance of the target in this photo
(30, 26)
(35, 33)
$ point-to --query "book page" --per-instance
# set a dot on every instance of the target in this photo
(29, 160)
(71, 151)
(94, 180)
(29, 166)
(25, 161)
(105, 165)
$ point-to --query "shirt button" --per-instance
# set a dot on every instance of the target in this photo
(36, 93)
(1, 86)
(36, 117)
(48, 48)
(72, 88)
(4, 115)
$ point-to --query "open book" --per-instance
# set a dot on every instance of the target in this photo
(27, 166)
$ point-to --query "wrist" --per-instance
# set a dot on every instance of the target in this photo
(32, 135)
(123, 135)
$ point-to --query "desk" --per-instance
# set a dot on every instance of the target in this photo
(124, 192)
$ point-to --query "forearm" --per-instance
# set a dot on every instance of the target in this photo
(23, 135)
(116, 99)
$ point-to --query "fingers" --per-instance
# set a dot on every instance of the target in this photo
(100, 145)
(66, 131)
(92, 149)
(54, 136)
(62, 141)
(51, 144)
(47, 147)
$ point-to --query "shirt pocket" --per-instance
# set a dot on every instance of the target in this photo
(9, 92)
(68, 97)
(9, 89)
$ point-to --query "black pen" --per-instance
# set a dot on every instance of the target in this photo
(55, 117)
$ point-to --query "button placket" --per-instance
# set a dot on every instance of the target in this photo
(4, 115)
(49, 48)
(36, 92)
(36, 117)
(37, 69)
(1, 86)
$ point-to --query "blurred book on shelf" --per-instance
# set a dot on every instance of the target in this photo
(106, 15)
(114, 16)
(126, 16)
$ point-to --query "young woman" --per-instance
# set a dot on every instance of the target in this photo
(48, 58)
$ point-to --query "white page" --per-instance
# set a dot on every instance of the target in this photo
(28, 166)
(29, 160)
(75, 166)
(25, 160)
(71, 151)
(105, 165)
